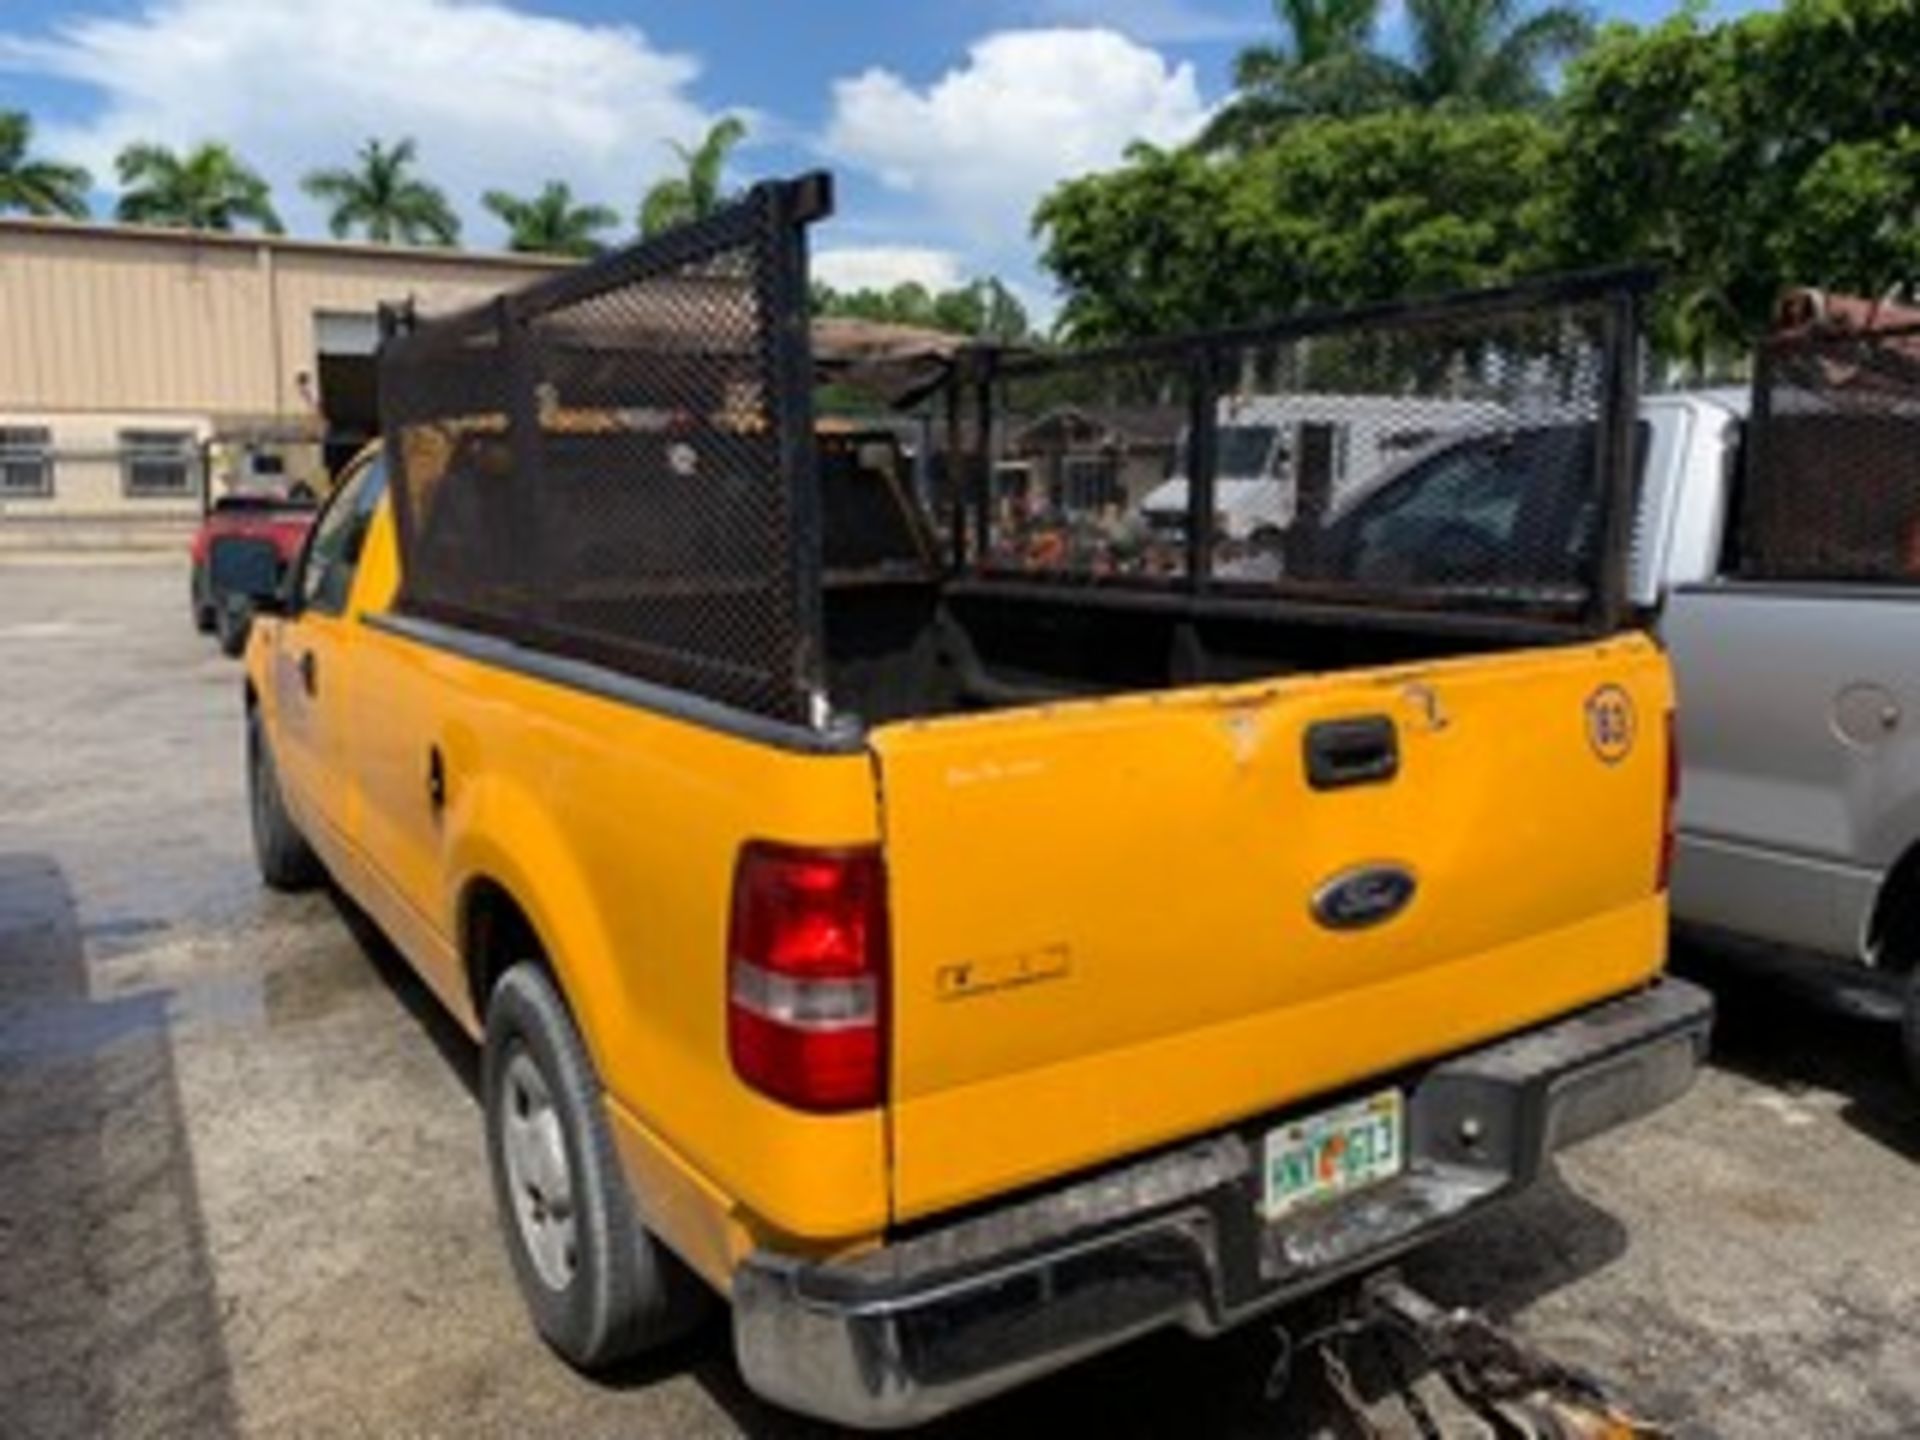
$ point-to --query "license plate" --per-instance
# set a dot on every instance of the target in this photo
(1324, 1156)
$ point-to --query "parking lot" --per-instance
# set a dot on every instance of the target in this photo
(242, 1187)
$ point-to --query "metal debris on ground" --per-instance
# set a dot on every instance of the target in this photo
(1490, 1384)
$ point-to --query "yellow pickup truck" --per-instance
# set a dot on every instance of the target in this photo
(962, 965)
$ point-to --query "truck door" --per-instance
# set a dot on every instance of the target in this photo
(308, 672)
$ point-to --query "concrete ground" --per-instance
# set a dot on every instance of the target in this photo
(242, 1185)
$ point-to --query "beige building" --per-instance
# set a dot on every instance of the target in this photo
(142, 368)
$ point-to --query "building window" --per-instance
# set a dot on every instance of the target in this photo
(1093, 482)
(26, 461)
(157, 463)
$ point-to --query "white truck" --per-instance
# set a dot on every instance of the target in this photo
(1799, 696)
(1263, 440)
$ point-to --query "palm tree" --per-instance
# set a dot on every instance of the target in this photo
(1324, 65)
(208, 188)
(680, 198)
(38, 187)
(1487, 54)
(550, 223)
(382, 200)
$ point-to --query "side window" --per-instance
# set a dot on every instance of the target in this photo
(1470, 490)
(333, 552)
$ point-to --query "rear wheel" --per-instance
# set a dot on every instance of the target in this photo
(285, 859)
(1910, 1025)
(233, 622)
(203, 617)
(599, 1287)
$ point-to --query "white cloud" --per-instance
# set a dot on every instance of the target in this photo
(881, 267)
(495, 97)
(980, 145)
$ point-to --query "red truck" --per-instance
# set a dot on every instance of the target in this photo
(242, 534)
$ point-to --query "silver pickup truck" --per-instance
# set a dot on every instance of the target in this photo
(1795, 639)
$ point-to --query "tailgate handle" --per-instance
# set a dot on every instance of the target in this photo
(1364, 750)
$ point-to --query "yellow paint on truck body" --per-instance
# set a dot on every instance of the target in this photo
(1102, 938)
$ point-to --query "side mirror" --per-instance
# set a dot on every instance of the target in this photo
(241, 567)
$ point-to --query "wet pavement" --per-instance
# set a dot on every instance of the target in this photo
(242, 1184)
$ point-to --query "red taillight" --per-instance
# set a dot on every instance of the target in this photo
(806, 976)
(1669, 805)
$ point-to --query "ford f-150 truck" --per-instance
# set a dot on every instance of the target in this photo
(963, 972)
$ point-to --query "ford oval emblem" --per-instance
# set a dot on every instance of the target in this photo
(1365, 895)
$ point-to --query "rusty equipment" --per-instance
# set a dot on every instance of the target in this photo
(1506, 1389)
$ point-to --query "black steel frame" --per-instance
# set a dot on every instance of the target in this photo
(1620, 291)
(772, 218)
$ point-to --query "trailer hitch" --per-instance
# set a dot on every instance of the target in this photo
(1510, 1390)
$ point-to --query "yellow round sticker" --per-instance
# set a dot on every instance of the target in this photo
(1610, 723)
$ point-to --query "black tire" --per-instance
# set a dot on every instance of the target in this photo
(617, 1291)
(233, 623)
(285, 859)
(203, 616)
(1910, 1025)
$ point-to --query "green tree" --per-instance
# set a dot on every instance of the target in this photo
(1324, 64)
(551, 223)
(1485, 53)
(696, 193)
(207, 188)
(34, 185)
(1330, 212)
(378, 197)
(985, 308)
(1775, 150)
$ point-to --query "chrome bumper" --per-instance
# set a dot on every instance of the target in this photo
(951, 1314)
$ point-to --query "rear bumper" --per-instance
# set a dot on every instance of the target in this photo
(949, 1315)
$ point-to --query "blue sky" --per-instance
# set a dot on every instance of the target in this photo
(942, 121)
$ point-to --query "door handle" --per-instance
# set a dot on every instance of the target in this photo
(436, 780)
(309, 673)
(1364, 750)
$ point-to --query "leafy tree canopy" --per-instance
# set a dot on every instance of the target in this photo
(696, 192)
(1780, 149)
(1457, 54)
(206, 188)
(985, 309)
(551, 223)
(381, 197)
(1330, 212)
(34, 185)
(1744, 157)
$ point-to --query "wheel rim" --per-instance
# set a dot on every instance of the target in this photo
(539, 1179)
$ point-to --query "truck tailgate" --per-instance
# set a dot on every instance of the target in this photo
(1104, 913)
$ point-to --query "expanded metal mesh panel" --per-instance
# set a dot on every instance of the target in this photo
(1831, 487)
(1086, 475)
(444, 401)
(613, 465)
(1457, 455)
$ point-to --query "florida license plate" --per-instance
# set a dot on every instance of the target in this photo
(1322, 1157)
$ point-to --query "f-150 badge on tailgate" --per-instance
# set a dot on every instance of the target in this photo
(1610, 723)
(1365, 895)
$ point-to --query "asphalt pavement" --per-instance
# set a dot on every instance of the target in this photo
(242, 1183)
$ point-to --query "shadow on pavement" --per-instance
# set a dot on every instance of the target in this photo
(453, 1043)
(109, 1320)
(1796, 1026)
